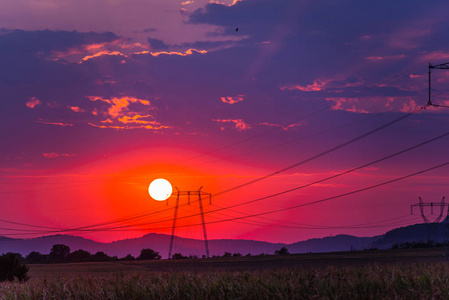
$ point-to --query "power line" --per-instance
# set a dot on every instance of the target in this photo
(135, 218)
(324, 152)
(290, 207)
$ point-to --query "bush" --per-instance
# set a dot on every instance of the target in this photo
(282, 251)
(148, 254)
(178, 256)
(11, 268)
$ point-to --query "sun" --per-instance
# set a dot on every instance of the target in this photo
(160, 189)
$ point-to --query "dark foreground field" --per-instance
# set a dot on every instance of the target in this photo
(392, 274)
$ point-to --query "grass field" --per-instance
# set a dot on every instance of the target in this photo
(393, 274)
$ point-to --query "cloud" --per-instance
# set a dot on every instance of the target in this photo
(238, 124)
(136, 119)
(119, 106)
(188, 52)
(286, 128)
(54, 123)
(388, 57)
(76, 109)
(317, 85)
(102, 53)
(118, 127)
(55, 155)
(232, 100)
(157, 44)
(33, 102)
(122, 117)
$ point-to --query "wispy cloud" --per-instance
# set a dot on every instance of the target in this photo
(188, 52)
(55, 155)
(157, 126)
(232, 100)
(33, 102)
(280, 126)
(76, 108)
(317, 85)
(121, 117)
(238, 124)
(54, 123)
(102, 53)
(119, 106)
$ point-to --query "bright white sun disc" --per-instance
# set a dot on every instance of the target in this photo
(160, 189)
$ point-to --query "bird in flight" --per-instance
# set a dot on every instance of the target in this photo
(237, 29)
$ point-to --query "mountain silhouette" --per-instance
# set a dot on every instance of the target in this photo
(186, 246)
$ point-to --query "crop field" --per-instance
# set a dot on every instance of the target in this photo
(398, 274)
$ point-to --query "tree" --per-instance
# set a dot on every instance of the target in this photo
(149, 254)
(59, 252)
(282, 251)
(79, 255)
(101, 256)
(178, 256)
(10, 268)
(35, 257)
(227, 254)
(129, 257)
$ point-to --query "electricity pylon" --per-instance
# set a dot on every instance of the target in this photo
(445, 254)
(421, 206)
(198, 193)
(444, 66)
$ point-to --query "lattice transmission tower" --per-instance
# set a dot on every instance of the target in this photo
(421, 206)
(198, 193)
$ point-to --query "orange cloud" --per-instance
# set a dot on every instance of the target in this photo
(317, 85)
(33, 102)
(222, 3)
(76, 109)
(54, 155)
(232, 100)
(386, 57)
(343, 104)
(188, 52)
(119, 114)
(239, 124)
(135, 119)
(280, 126)
(118, 105)
(150, 127)
(107, 48)
(102, 53)
(53, 123)
(187, 2)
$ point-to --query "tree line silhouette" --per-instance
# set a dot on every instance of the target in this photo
(13, 266)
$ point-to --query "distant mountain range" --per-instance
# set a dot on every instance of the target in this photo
(160, 243)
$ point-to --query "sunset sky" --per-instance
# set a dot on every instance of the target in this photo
(100, 97)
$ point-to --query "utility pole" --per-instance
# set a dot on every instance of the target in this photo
(445, 254)
(198, 193)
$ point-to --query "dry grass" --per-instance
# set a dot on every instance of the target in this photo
(396, 281)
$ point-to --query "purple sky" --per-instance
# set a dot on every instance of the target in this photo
(101, 97)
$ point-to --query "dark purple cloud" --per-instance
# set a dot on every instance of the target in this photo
(157, 44)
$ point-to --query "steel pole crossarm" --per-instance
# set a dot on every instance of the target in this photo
(429, 204)
(440, 66)
(437, 105)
